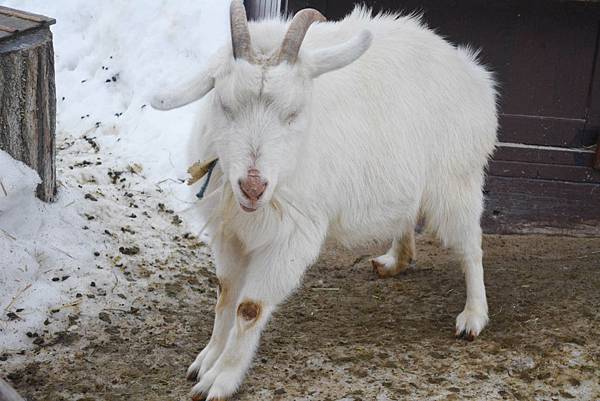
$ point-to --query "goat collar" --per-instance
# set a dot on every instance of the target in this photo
(199, 170)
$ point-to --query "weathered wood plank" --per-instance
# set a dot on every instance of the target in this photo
(517, 205)
(597, 158)
(28, 104)
(548, 131)
(542, 171)
(5, 28)
(538, 154)
(17, 24)
(26, 15)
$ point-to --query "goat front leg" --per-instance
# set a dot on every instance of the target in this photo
(272, 274)
(231, 266)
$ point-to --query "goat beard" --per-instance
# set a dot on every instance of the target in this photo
(227, 208)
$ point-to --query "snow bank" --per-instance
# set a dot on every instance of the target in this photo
(41, 252)
(17, 184)
(111, 56)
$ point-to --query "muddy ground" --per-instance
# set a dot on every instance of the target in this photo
(347, 335)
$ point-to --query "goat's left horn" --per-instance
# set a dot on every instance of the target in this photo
(296, 32)
(240, 34)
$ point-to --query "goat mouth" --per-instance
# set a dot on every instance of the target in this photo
(248, 209)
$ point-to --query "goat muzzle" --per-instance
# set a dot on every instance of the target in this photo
(253, 186)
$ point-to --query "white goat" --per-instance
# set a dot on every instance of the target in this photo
(357, 154)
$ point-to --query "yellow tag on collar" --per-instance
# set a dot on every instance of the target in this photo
(199, 170)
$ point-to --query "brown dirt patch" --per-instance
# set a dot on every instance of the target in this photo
(348, 335)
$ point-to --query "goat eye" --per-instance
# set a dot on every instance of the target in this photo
(291, 117)
(227, 111)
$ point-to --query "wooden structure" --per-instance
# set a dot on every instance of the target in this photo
(258, 9)
(27, 94)
(544, 176)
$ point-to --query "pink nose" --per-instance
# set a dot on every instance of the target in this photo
(253, 186)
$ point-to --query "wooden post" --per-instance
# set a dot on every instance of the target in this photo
(27, 94)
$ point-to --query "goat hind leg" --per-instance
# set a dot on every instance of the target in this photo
(460, 229)
(398, 258)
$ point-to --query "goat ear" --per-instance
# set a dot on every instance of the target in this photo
(185, 93)
(335, 57)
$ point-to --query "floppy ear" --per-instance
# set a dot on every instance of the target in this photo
(335, 57)
(185, 93)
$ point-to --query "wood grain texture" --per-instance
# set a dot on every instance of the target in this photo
(539, 130)
(544, 171)
(567, 157)
(597, 158)
(545, 56)
(15, 22)
(24, 15)
(524, 205)
(28, 104)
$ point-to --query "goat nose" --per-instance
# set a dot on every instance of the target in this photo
(253, 186)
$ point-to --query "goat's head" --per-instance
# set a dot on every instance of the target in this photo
(260, 109)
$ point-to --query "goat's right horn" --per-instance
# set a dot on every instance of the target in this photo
(296, 32)
(240, 35)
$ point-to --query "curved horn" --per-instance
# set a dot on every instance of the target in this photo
(296, 32)
(240, 35)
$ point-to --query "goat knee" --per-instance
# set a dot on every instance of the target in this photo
(249, 311)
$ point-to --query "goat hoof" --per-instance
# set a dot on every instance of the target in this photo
(466, 335)
(386, 266)
(469, 323)
(380, 269)
(192, 372)
(192, 376)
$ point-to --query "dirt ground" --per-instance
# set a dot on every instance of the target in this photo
(347, 335)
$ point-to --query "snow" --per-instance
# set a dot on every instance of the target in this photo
(111, 56)
(38, 243)
(17, 184)
(142, 46)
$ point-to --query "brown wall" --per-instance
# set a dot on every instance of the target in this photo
(544, 55)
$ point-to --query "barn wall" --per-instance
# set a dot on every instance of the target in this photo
(545, 57)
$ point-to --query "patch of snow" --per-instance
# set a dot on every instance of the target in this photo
(111, 57)
(42, 253)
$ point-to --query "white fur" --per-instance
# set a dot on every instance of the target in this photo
(356, 154)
